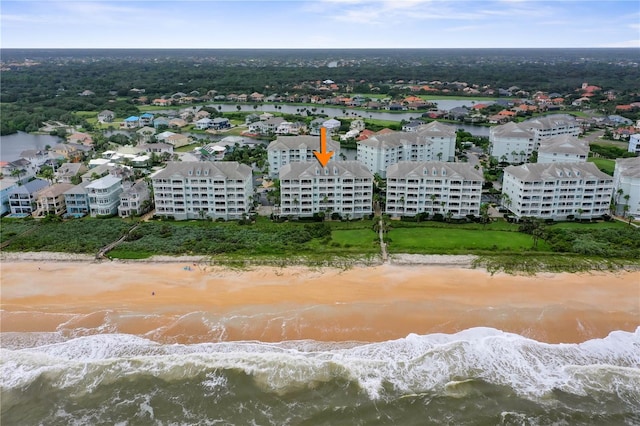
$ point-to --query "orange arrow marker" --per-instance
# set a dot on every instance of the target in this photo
(323, 156)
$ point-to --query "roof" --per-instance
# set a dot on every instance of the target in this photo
(30, 187)
(511, 130)
(104, 182)
(297, 142)
(550, 121)
(337, 168)
(408, 169)
(437, 129)
(629, 167)
(224, 169)
(553, 171)
(55, 190)
(565, 144)
(132, 118)
(78, 189)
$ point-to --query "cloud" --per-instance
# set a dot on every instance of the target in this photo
(628, 43)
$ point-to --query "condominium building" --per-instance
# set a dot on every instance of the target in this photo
(104, 196)
(51, 200)
(203, 189)
(563, 149)
(626, 186)
(634, 143)
(433, 187)
(430, 142)
(342, 187)
(514, 142)
(297, 149)
(557, 191)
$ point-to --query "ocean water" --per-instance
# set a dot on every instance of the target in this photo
(480, 376)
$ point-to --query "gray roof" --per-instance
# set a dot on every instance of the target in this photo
(104, 182)
(78, 189)
(437, 129)
(140, 187)
(55, 190)
(409, 169)
(297, 142)
(628, 166)
(70, 169)
(565, 144)
(30, 187)
(312, 169)
(511, 130)
(550, 121)
(224, 169)
(552, 171)
(390, 140)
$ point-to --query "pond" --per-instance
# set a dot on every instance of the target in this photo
(12, 145)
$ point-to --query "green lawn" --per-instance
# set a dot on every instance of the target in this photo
(425, 240)
(605, 165)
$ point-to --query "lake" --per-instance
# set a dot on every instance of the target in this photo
(12, 145)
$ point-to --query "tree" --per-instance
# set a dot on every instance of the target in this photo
(484, 214)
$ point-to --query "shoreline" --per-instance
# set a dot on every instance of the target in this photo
(177, 301)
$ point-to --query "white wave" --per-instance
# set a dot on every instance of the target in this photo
(412, 365)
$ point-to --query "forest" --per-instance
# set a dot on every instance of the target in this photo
(44, 85)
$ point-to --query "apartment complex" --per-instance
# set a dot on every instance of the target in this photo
(557, 191)
(433, 187)
(430, 142)
(626, 186)
(203, 189)
(104, 195)
(342, 187)
(296, 149)
(514, 142)
(563, 149)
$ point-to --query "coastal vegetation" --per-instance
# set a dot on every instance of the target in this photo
(512, 247)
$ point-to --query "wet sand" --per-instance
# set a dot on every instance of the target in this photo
(186, 303)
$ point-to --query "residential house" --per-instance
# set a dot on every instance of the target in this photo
(212, 152)
(36, 157)
(106, 116)
(131, 122)
(342, 187)
(626, 187)
(51, 200)
(220, 123)
(134, 199)
(146, 134)
(178, 140)
(433, 141)
(412, 126)
(432, 187)
(146, 119)
(204, 123)
(7, 186)
(22, 169)
(563, 149)
(67, 172)
(557, 191)
(203, 189)
(162, 137)
(634, 143)
(69, 151)
(76, 199)
(157, 148)
(104, 195)
(177, 123)
(161, 122)
(80, 138)
(294, 149)
(22, 198)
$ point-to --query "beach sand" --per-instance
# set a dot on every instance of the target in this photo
(190, 303)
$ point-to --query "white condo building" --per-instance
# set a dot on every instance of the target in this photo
(431, 142)
(296, 149)
(104, 195)
(203, 189)
(343, 187)
(557, 190)
(563, 149)
(433, 187)
(514, 142)
(634, 143)
(626, 181)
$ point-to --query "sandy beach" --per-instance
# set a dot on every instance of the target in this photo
(186, 302)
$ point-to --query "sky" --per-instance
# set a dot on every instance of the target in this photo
(319, 24)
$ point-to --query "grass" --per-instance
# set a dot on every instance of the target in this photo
(425, 240)
(605, 165)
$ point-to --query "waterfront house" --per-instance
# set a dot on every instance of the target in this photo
(68, 171)
(51, 200)
(104, 195)
(22, 198)
(133, 199)
(76, 199)
(433, 187)
(342, 187)
(203, 189)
